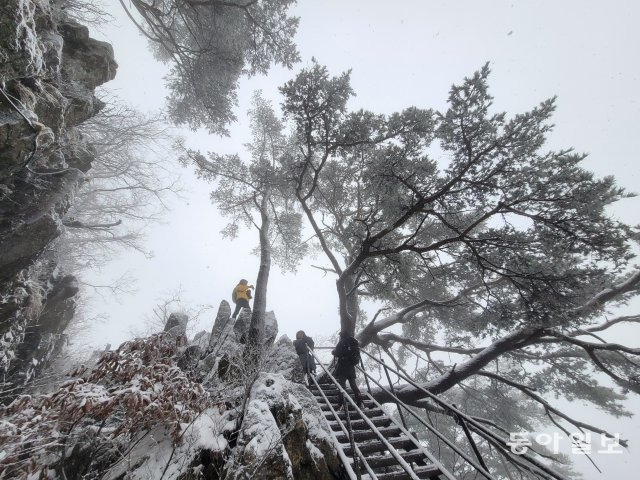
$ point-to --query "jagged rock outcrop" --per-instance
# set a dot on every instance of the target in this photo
(282, 430)
(177, 324)
(49, 68)
(241, 326)
(221, 325)
(283, 435)
(284, 360)
(145, 411)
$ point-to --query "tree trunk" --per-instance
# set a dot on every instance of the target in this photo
(349, 305)
(253, 348)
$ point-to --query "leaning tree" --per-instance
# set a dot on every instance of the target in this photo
(495, 259)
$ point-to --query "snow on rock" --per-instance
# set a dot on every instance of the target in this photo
(22, 23)
(270, 328)
(261, 452)
(241, 325)
(284, 360)
(204, 438)
(177, 324)
(284, 432)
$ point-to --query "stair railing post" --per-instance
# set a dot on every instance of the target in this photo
(366, 377)
(356, 460)
(460, 421)
(393, 392)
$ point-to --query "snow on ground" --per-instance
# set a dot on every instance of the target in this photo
(156, 456)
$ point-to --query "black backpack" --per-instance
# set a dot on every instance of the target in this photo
(351, 351)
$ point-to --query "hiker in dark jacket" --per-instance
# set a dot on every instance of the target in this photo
(306, 359)
(347, 353)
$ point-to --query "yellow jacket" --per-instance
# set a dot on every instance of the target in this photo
(241, 292)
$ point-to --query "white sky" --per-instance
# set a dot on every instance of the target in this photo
(401, 53)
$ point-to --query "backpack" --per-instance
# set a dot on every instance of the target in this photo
(351, 351)
(234, 296)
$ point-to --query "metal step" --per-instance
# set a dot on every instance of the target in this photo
(333, 392)
(361, 424)
(327, 388)
(387, 460)
(334, 398)
(367, 405)
(369, 412)
(429, 471)
(377, 446)
(362, 435)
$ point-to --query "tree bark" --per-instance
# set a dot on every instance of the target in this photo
(253, 348)
(348, 303)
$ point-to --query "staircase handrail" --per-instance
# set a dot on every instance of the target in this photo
(449, 443)
(346, 431)
(478, 427)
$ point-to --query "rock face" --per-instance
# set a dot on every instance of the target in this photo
(284, 360)
(283, 435)
(222, 325)
(49, 68)
(177, 324)
(241, 326)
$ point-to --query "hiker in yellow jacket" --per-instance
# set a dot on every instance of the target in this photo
(241, 296)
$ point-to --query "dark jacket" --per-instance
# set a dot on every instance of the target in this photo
(306, 359)
(344, 367)
(301, 345)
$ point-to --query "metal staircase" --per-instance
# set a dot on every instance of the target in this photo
(373, 445)
(378, 458)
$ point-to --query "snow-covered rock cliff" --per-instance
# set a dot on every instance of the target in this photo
(49, 68)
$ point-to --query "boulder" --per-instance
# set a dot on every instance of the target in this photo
(283, 435)
(284, 360)
(222, 325)
(201, 339)
(270, 328)
(176, 325)
(241, 325)
(189, 358)
(85, 60)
